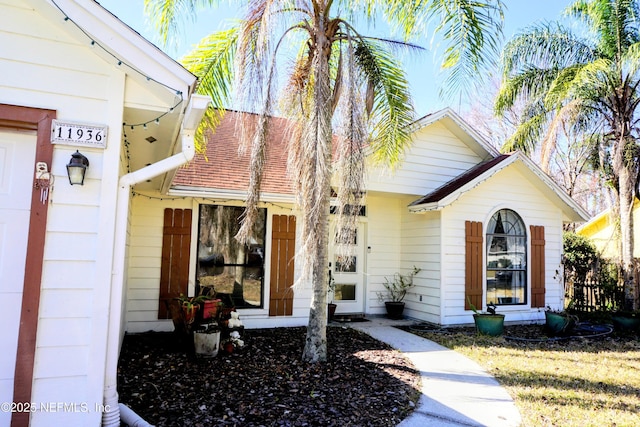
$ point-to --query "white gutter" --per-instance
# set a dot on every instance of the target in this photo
(193, 116)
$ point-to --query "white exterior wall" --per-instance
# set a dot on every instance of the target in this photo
(384, 238)
(506, 189)
(43, 67)
(145, 253)
(421, 243)
(435, 157)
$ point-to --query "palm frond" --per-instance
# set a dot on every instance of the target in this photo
(167, 15)
(472, 32)
(392, 110)
(212, 62)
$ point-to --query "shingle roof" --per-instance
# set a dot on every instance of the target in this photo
(459, 181)
(222, 168)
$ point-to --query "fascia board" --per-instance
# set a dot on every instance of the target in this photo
(120, 41)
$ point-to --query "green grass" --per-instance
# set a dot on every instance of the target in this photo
(577, 382)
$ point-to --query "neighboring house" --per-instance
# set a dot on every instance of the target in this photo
(482, 227)
(62, 246)
(601, 230)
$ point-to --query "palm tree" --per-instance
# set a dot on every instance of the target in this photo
(589, 81)
(343, 92)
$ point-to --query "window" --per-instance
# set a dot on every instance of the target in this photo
(506, 259)
(223, 263)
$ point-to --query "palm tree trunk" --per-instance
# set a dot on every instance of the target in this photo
(627, 196)
(315, 349)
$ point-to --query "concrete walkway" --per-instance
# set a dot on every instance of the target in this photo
(456, 391)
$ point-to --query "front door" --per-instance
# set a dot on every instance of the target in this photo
(348, 275)
(17, 154)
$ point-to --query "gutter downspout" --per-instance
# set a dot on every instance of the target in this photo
(193, 116)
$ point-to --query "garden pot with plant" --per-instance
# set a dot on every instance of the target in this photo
(395, 291)
(558, 322)
(626, 321)
(206, 340)
(331, 306)
(489, 322)
(186, 310)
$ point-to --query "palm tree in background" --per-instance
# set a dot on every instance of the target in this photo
(588, 82)
(343, 92)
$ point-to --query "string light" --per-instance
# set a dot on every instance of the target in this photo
(120, 62)
(204, 201)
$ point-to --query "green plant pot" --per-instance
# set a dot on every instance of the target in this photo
(394, 309)
(556, 323)
(489, 324)
(625, 323)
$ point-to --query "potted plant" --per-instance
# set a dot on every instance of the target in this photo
(489, 322)
(189, 308)
(211, 308)
(626, 320)
(558, 322)
(396, 290)
(206, 340)
(331, 306)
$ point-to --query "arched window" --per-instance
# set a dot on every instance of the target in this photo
(506, 259)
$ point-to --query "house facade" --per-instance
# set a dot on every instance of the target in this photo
(82, 264)
(483, 228)
(75, 79)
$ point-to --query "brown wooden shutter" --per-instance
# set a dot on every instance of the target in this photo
(176, 246)
(283, 247)
(537, 266)
(473, 265)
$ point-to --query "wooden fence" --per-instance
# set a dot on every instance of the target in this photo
(598, 290)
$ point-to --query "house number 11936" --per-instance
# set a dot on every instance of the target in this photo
(69, 133)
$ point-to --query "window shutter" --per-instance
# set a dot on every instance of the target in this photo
(537, 266)
(176, 247)
(473, 265)
(283, 247)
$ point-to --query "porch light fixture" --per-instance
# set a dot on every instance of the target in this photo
(76, 168)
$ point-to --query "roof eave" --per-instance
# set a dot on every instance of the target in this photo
(212, 193)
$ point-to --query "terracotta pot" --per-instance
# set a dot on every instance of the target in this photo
(189, 312)
(228, 347)
(210, 309)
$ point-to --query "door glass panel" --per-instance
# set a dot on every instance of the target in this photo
(346, 264)
(345, 292)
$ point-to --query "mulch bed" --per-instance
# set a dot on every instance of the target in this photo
(364, 382)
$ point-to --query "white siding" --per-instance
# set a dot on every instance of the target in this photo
(43, 67)
(421, 243)
(384, 241)
(144, 258)
(507, 189)
(144, 264)
(435, 157)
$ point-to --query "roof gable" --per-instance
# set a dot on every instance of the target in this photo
(117, 43)
(456, 125)
(458, 183)
(442, 147)
(452, 190)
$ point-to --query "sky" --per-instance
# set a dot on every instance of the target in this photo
(422, 71)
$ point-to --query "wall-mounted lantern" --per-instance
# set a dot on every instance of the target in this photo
(76, 168)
